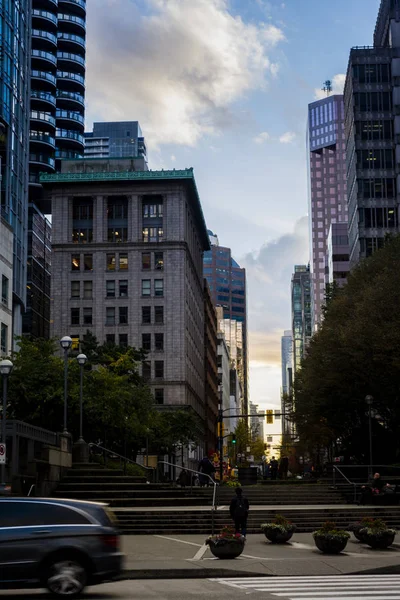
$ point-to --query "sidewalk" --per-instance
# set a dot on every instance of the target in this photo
(186, 556)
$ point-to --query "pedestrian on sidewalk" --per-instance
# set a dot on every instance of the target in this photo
(274, 468)
(239, 511)
(206, 467)
(283, 467)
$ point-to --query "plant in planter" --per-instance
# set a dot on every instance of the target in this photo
(329, 539)
(226, 544)
(378, 535)
(279, 531)
(360, 525)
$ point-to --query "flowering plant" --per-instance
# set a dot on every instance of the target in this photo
(226, 536)
(280, 523)
(329, 530)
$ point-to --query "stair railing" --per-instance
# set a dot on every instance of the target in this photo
(214, 483)
(337, 470)
(151, 470)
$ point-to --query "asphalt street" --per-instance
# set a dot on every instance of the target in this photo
(340, 587)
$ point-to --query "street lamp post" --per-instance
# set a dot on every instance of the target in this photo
(369, 400)
(82, 360)
(6, 367)
(65, 343)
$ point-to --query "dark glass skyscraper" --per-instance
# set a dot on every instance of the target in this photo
(14, 127)
(56, 130)
(227, 282)
(301, 313)
(372, 107)
(327, 187)
(115, 139)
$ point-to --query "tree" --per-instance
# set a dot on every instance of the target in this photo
(242, 436)
(355, 352)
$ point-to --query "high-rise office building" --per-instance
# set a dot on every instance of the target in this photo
(15, 19)
(115, 139)
(227, 281)
(211, 395)
(327, 187)
(127, 266)
(58, 62)
(287, 374)
(338, 266)
(372, 106)
(6, 273)
(301, 313)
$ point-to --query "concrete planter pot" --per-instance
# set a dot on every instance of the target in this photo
(276, 536)
(379, 540)
(330, 544)
(226, 548)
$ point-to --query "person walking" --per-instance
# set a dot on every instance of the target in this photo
(206, 467)
(274, 468)
(239, 511)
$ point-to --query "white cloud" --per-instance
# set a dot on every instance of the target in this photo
(288, 137)
(177, 69)
(338, 82)
(173, 157)
(261, 137)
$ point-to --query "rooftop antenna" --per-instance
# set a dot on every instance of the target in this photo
(327, 87)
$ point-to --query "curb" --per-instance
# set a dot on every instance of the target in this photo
(186, 574)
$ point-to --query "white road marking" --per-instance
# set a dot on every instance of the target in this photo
(165, 537)
(200, 553)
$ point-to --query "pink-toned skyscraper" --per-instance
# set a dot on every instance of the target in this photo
(327, 188)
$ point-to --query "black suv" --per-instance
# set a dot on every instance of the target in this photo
(63, 545)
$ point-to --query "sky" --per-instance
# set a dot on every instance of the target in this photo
(223, 86)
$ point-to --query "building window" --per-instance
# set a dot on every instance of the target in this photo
(110, 338)
(87, 316)
(146, 315)
(123, 288)
(146, 287)
(159, 369)
(75, 342)
(159, 315)
(123, 262)
(269, 438)
(82, 235)
(76, 262)
(110, 289)
(117, 208)
(110, 262)
(123, 315)
(88, 262)
(159, 287)
(123, 340)
(4, 339)
(146, 342)
(146, 261)
(75, 289)
(153, 234)
(110, 315)
(74, 316)
(152, 210)
(87, 289)
(159, 261)
(82, 210)
(117, 234)
(4, 289)
(159, 342)
(159, 395)
(146, 369)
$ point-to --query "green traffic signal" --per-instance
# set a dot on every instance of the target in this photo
(233, 439)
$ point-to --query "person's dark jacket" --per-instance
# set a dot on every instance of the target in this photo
(378, 484)
(235, 502)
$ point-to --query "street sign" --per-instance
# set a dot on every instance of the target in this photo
(2, 454)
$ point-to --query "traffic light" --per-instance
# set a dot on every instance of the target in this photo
(270, 417)
(233, 438)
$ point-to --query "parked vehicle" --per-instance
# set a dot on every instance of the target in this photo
(62, 545)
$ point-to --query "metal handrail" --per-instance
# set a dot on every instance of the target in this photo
(214, 501)
(31, 489)
(124, 458)
(335, 468)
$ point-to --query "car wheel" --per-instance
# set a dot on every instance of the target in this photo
(66, 577)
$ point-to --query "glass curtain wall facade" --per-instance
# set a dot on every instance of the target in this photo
(115, 140)
(301, 313)
(15, 18)
(372, 124)
(227, 282)
(327, 187)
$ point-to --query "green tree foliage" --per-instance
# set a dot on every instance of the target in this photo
(242, 436)
(356, 352)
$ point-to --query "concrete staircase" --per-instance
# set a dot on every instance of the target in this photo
(189, 521)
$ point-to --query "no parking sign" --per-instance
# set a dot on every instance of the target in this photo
(2, 454)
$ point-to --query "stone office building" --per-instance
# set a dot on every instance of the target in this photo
(127, 265)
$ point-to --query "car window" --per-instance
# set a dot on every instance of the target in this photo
(19, 514)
